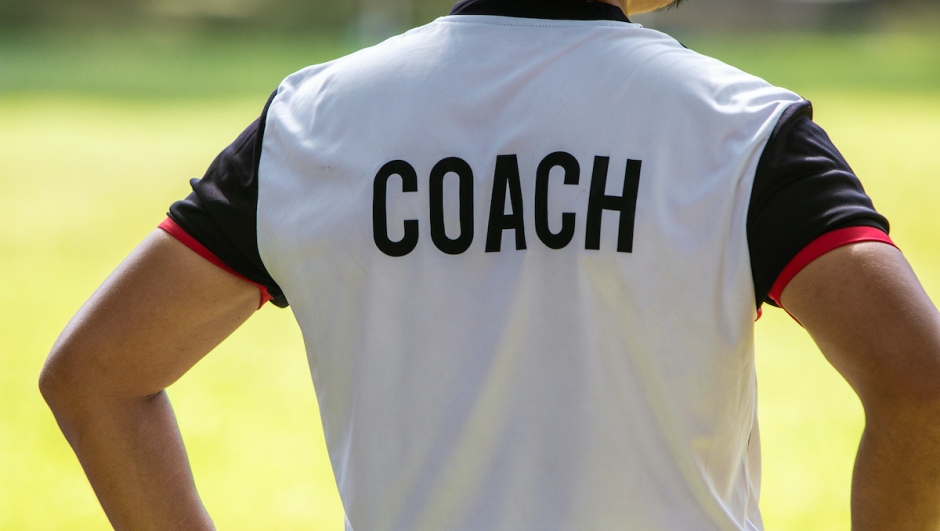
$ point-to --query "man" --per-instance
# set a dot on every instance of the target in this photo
(526, 245)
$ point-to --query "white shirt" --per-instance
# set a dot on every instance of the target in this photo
(537, 388)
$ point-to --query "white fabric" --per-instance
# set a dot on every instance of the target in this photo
(532, 389)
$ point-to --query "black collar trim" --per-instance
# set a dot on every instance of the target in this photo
(544, 9)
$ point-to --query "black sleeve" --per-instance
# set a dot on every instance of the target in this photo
(222, 211)
(803, 188)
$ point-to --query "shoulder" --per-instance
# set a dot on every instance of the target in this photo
(381, 58)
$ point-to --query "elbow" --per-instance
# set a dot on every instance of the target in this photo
(914, 419)
(62, 383)
(76, 383)
(54, 382)
(66, 383)
(913, 397)
(46, 384)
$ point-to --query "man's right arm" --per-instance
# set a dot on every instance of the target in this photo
(159, 313)
(871, 318)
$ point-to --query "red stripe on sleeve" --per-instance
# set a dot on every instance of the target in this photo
(173, 229)
(820, 246)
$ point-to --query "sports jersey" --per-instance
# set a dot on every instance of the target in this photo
(526, 244)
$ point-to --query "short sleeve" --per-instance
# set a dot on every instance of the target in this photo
(803, 191)
(221, 214)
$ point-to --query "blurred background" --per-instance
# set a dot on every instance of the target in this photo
(108, 107)
(372, 19)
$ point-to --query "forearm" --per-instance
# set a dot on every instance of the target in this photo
(133, 455)
(896, 484)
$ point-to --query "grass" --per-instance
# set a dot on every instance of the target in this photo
(893, 62)
(157, 65)
(99, 134)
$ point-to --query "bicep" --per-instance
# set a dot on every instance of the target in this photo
(158, 314)
(865, 308)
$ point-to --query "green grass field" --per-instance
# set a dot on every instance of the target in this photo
(98, 135)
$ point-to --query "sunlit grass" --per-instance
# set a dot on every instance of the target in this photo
(157, 64)
(88, 170)
(893, 62)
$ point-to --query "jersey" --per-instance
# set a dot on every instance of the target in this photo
(526, 245)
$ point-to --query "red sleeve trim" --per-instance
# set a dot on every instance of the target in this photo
(173, 229)
(820, 246)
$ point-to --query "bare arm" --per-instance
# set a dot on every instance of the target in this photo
(866, 310)
(159, 313)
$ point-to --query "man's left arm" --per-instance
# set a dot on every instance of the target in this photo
(871, 318)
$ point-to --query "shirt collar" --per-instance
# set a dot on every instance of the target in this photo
(544, 9)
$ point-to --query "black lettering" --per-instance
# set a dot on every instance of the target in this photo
(625, 204)
(506, 175)
(409, 183)
(436, 187)
(572, 176)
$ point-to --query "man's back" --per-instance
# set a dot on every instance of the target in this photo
(508, 362)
